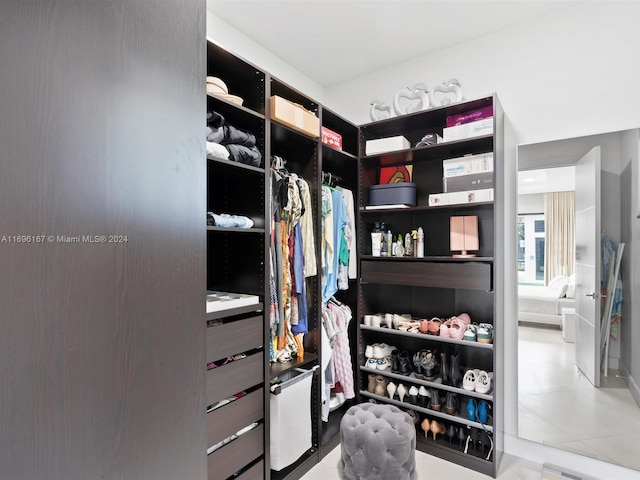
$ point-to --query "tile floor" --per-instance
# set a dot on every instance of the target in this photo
(430, 467)
(559, 407)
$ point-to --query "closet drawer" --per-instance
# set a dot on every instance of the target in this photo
(234, 337)
(234, 377)
(254, 473)
(229, 419)
(227, 460)
(465, 275)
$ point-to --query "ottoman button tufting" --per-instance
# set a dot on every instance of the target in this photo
(360, 452)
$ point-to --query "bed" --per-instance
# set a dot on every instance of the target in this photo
(539, 304)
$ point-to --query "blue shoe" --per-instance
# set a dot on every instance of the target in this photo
(481, 411)
(471, 409)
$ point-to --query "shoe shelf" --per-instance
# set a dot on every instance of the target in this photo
(432, 384)
(454, 452)
(430, 258)
(426, 411)
(235, 229)
(423, 336)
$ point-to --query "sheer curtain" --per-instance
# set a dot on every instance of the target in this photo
(559, 237)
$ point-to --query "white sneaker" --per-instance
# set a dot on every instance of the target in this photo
(382, 350)
(371, 363)
(368, 351)
(383, 363)
(483, 382)
(469, 380)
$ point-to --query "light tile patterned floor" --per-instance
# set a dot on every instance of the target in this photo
(559, 407)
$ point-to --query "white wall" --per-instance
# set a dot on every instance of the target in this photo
(220, 32)
(531, 203)
(576, 72)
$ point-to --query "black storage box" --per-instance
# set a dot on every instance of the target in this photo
(393, 194)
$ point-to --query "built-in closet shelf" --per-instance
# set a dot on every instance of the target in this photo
(332, 153)
(428, 121)
(242, 167)
(408, 379)
(431, 258)
(279, 368)
(424, 336)
(423, 208)
(235, 229)
(466, 276)
(239, 109)
(439, 151)
(426, 411)
(282, 133)
(230, 312)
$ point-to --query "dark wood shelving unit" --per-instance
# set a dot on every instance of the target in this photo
(437, 285)
(236, 263)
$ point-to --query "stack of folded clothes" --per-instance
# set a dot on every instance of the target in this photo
(228, 142)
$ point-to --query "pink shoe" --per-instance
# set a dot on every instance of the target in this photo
(457, 328)
(445, 329)
(465, 318)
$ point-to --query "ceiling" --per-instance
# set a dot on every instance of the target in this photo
(334, 41)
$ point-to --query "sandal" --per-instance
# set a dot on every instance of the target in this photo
(434, 326)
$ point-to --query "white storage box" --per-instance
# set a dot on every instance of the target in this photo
(455, 167)
(290, 431)
(468, 130)
(384, 145)
(457, 198)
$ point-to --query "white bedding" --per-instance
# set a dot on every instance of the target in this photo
(536, 304)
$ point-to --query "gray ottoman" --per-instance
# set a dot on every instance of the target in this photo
(378, 442)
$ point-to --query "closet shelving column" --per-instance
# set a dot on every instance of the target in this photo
(301, 153)
(236, 337)
(340, 166)
(436, 285)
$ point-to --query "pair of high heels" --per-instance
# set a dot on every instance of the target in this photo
(400, 389)
(432, 426)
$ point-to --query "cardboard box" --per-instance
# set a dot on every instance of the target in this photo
(384, 145)
(470, 116)
(403, 193)
(468, 130)
(458, 198)
(475, 181)
(294, 116)
(455, 167)
(331, 138)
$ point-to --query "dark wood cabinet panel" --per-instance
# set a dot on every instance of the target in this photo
(231, 418)
(234, 377)
(234, 337)
(103, 343)
(227, 460)
(469, 276)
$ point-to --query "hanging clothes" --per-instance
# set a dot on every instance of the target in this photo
(291, 233)
(350, 233)
(335, 243)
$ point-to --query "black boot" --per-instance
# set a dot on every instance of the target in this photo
(444, 368)
(455, 377)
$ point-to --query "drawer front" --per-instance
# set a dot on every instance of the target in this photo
(254, 473)
(227, 420)
(227, 460)
(467, 275)
(234, 377)
(234, 337)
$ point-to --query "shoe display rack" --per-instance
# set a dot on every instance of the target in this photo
(238, 262)
(414, 311)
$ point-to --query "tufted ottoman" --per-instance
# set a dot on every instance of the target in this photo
(378, 442)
